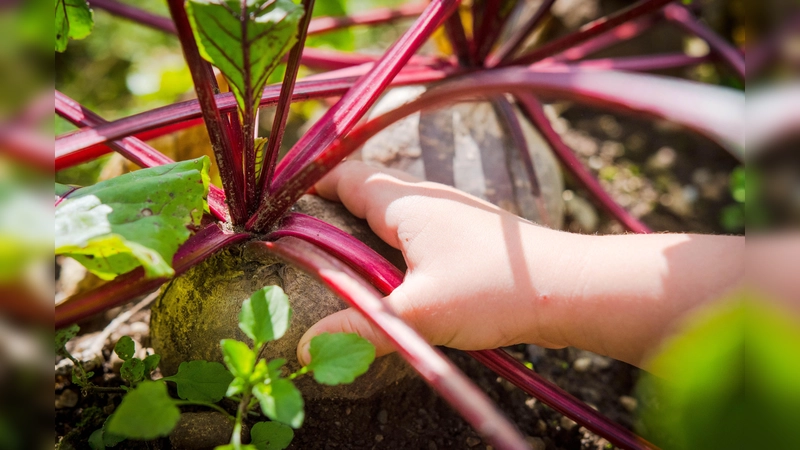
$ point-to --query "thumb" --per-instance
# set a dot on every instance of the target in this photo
(345, 321)
(351, 321)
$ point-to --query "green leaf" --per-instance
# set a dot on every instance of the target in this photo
(281, 401)
(125, 348)
(245, 45)
(151, 362)
(146, 412)
(110, 439)
(265, 315)
(63, 336)
(274, 368)
(96, 440)
(340, 357)
(235, 447)
(239, 358)
(136, 219)
(132, 370)
(74, 20)
(201, 381)
(271, 436)
(237, 386)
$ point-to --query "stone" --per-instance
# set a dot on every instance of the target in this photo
(629, 403)
(201, 307)
(473, 441)
(582, 364)
(67, 399)
(383, 416)
(567, 423)
(536, 443)
(469, 146)
(201, 431)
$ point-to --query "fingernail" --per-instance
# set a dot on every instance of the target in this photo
(304, 356)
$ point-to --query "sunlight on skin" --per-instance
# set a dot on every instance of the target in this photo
(479, 277)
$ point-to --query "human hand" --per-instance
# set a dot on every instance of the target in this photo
(469, 283)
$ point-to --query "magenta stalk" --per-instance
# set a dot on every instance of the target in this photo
(432, 366)
(190, 110)
(204, 85)
(533, 109)
(728, 53)
(137, 15)
(650, 95)
(510, 47)
(590, 30)
(343, 116)
(128, 286)
(131, 148)
(284, 101)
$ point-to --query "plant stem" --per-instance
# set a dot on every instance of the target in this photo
(131, 148)
(627, 92)
(590, 30)
(719, 46)
(514, 43)
(454, 29)
(204, 84)
(535, 113)
(319, 86)
(343, 116)
(135, 14)
(282, 111)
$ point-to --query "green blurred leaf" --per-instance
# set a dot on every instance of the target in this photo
(738, 185)
(245, 45)
(139, 218)
(340, 357)
(125, 348)
(281, 401)
(110, 439)
(146, 412)
(239, 358)
(271, 436)
(96, 440)
(132, 370)
(74, 20)
(63, 336)
(265, 316)
(151, 362)
(201, 381)
(235, 447)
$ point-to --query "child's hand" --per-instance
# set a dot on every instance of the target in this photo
(479, 277)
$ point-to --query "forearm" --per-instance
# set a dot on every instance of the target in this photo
(621, 295)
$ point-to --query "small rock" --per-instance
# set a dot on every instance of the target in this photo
(541, 426)
(473, 441)
(530, 403)
(536, 443)
(567, 423)
(629, 403)
(378, 437)
(67, 399)
(201, 430)
(383, 416)
(582, 364)
(663, 159)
